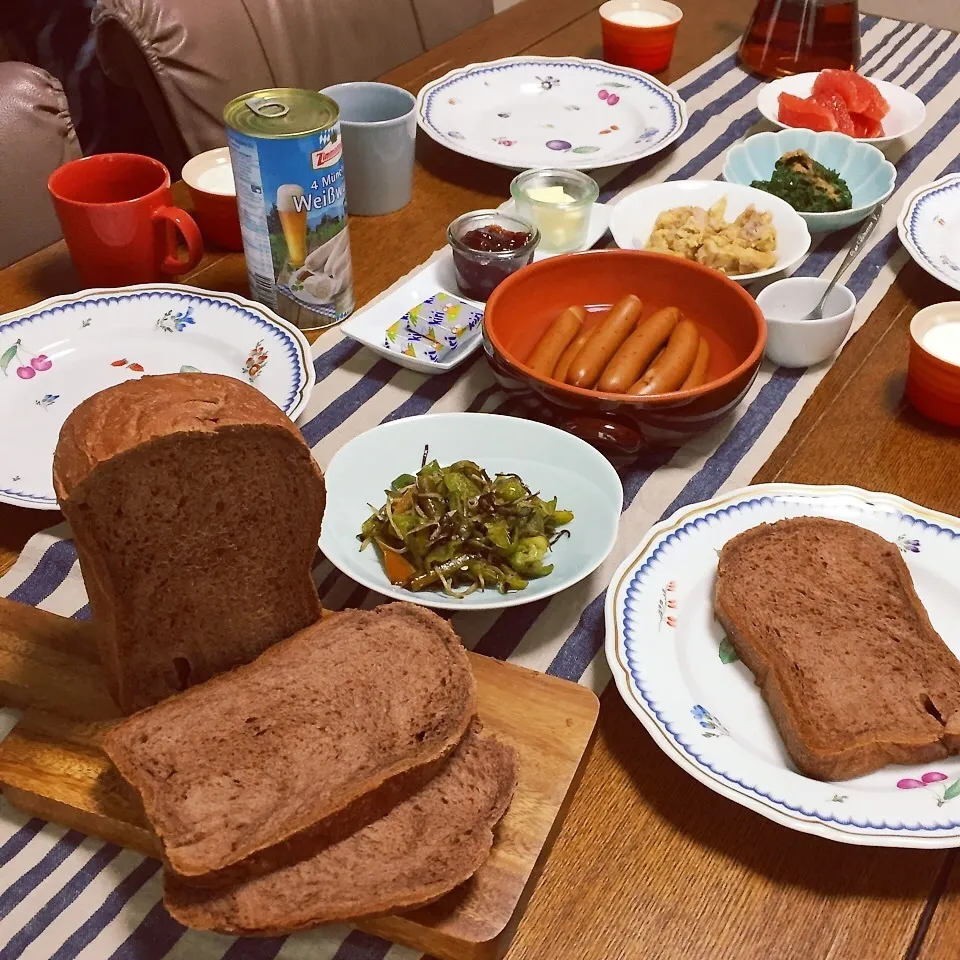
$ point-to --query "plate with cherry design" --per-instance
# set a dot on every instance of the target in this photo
(681, 677)
(526, 112)
(57, 353)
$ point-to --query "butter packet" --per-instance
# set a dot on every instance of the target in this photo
(399, 339)
(443, 318)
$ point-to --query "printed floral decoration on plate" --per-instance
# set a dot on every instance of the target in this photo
(524, 112)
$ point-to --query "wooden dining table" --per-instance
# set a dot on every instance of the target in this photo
(648, 862)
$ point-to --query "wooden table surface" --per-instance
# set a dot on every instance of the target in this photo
(649, 863)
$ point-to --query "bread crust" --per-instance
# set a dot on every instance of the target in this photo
(919, 677)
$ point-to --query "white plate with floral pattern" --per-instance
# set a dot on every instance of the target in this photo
(681, 677)
(524, 112)
(929, 228)
(57, 353)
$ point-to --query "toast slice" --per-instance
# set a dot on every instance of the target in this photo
(826, 616)
(420, 850)
(196, 507)
(324, 732)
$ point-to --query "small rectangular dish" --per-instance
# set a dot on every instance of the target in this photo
(431, 295)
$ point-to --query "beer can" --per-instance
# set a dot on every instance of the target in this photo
(288, 167)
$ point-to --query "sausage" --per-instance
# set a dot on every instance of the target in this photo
(636, 352)
(557, 338)
(674, 366)
(562, 368)
(588, 364)
(698, 372)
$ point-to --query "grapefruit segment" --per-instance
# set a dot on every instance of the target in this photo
(835, 104)
(858, 93)
(804, 112)
(866, 126)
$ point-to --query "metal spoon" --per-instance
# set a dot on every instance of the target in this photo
(863, 235)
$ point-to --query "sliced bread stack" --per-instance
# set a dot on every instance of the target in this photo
(297, 770)
(340, 775)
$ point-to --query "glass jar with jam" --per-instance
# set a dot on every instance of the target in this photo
(487, 247)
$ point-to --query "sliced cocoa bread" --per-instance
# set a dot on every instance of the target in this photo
(826, 616)
(323, 733)
(420, 850)
(196, 508)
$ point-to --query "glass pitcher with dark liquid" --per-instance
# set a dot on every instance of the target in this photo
(800, 36)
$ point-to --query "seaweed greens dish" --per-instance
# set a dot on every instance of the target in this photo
(458, 529)
(808, 186)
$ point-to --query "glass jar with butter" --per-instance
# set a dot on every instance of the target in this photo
(559, 202)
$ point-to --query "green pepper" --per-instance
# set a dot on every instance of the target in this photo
(447, 569)
(404, 480)
(509, 488)
(406, 522)
(562, 517)
(527, 556)
(499, 535)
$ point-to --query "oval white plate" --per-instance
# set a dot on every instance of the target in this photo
(548, 460)
(664, 648)
(79, 344)
(907, 110)
(929, 227)
(634, 216)
(524, 112)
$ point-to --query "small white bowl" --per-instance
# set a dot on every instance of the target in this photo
(634, 216)
(793, 342)
(907, 110)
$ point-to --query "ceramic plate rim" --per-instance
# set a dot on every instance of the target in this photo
(779, 267)
(304, 356)
(439, 601)
(613, 644)
(904, 227)
(766, 92)
(666, 91)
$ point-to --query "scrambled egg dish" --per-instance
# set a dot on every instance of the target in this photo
(747, 245)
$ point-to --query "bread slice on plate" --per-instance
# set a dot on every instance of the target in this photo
(196, 508)
(420, 850)
(826, 616)
(323, 733)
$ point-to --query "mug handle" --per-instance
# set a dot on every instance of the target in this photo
(190, 232)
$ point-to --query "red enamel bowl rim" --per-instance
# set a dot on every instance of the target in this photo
(527, 273)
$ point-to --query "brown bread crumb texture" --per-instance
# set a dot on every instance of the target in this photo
(196, 509)
(826, 616)
(323, 733)
(422, 849)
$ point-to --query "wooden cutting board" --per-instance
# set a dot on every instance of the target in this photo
(51, 766)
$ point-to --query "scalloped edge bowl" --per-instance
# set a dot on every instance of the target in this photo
(871, 177)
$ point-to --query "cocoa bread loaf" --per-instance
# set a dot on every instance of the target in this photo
(324, 732)
(196, 509)
(826, 616)
(420, 850)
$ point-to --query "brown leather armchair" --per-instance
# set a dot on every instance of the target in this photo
(187, 58)
(36, 137)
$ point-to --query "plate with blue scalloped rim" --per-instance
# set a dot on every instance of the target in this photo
(61, 351)
(681, 677)
(526, 112)
(929, 228)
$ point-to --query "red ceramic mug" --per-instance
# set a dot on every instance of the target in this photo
(119, 221)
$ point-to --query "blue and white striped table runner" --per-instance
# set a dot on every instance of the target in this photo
(64, 895)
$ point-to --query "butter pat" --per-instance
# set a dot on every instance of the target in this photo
(443, 318)
(554, 194)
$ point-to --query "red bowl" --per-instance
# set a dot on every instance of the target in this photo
(525, 304)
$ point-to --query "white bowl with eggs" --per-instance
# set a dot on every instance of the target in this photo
(635, 215)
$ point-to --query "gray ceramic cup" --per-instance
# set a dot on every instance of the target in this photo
(378, 124)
